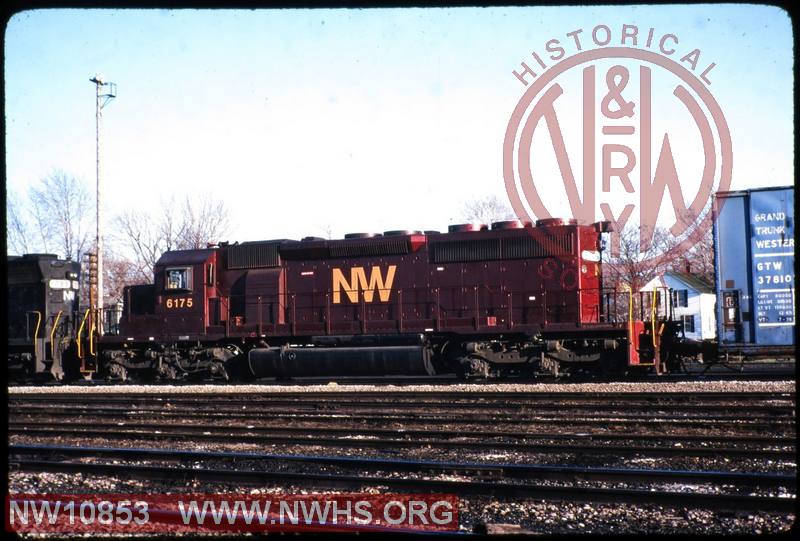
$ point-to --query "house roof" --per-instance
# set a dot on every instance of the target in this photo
(693, 281)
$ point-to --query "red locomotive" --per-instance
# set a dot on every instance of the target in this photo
(513, 299)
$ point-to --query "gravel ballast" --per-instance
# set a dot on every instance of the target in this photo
(535, 516)
(621, 387)
(527, 515)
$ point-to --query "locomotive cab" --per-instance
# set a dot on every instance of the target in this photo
(182, 288)
(164, 322)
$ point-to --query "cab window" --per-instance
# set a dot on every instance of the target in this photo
(179, 278)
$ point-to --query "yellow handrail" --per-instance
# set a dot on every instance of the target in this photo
(80, 331)
(52, 334)
(91, 337)
(653, 316)
(630, 301)
(36, 334)
(630, 311)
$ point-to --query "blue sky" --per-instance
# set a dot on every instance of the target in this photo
(353, 120)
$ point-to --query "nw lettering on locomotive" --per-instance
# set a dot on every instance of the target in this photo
(358, 283)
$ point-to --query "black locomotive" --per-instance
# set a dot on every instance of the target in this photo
(43, 314)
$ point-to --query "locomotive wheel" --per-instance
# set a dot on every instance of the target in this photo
(117, 372)
(167, 372)
(218, 371)
(473, 367)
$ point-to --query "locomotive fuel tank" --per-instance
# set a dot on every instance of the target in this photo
(339, 361)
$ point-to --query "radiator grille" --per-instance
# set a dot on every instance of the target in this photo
(369, 247)
(465, 250)
(254, 255)
(523, 247)
(504, 248)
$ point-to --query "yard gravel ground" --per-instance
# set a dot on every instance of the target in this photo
(619, 387)
(535, 516)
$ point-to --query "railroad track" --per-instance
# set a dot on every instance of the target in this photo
(232, 393)
(19, 426)
(570, 446)
(756, 411)
(506, 480)
(608, 421)
(754, 425)
(768, 405)
(357, 441)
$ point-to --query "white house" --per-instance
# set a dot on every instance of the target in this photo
(693, 300)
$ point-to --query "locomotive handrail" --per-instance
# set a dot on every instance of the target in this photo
(52, 335)
(315, 311)
(630, 309)
(260, 330)
(477, 309)
(80, 331)
(328, 313)
(501, 302)
(36, 334)
(400, 311)
(653, 317)
(91, 335)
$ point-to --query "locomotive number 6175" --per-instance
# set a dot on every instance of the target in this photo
(180, 302)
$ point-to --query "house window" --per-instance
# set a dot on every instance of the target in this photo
(680, 297)
(179, 278)
(688, 323)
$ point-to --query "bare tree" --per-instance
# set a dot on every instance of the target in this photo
(18, 234)
(146, 236)
(61, 210)
(627, 269)
(203, 222)
(487, 210)
(145, 239)
(697, 257)
(118, 272)
(627, 266)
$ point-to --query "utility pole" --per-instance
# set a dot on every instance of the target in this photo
(110, 92)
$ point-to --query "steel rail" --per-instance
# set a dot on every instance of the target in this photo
(324, 404)
(382, 443)
(362, 431)
(516, 396)
(499, 470)
(464, 418)
(724, 501)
